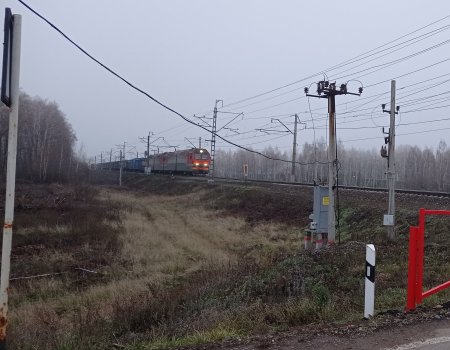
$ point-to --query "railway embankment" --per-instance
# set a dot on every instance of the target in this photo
(164, 262)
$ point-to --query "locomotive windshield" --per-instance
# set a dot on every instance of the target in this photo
(203, 154)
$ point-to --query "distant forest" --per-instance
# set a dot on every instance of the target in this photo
(421, 169)
(46, 141)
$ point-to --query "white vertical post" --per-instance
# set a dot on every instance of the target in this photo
(10, 178)
(369, 299)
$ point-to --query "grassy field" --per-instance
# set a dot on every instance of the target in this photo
(161, 264)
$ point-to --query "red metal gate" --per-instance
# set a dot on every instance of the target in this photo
(415, 263)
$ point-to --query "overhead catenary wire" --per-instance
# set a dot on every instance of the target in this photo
(341, 64)
(164, 105)
(133, 86)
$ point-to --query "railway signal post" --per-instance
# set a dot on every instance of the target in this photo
(328, 90)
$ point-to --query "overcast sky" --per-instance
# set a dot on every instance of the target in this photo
(188, 54)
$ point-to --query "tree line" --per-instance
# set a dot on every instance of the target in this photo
(416, 168)
(45, 142)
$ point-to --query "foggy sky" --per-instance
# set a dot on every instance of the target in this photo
(187, 54)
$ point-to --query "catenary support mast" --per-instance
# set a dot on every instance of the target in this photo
(294, 149)
(390, 222)
(213, 143)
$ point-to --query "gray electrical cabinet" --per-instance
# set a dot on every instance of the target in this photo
(319, 217)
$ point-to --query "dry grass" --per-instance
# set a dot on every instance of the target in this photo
(167, 235)
(161, 238)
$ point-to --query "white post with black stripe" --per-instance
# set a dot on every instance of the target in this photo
(369, 302)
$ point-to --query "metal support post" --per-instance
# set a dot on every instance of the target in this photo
(213, 143)
(10, 178)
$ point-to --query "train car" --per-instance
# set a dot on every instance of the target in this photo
(136, 164)
(195, 161)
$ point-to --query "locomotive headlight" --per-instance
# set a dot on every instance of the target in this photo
(201, 151)
(197, 164)
(206, 164)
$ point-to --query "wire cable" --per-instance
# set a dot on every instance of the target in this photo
(133, 86)
(349, 61)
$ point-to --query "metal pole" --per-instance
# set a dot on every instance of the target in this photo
(10, 178)
(294, 150)
(199, 142)
(331, 168)
(391, 164)
(213, 144)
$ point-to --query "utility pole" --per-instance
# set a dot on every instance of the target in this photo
(120, 171)
(121, 159)
(328, 90)
(200, 142)
(110, 159)
(294, 149)
(389, 220)
(148, 150)
(147, 140)
(213, 142)
(294, 144)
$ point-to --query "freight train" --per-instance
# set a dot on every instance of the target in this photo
(194, 161)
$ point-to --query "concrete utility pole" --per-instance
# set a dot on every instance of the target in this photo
(389, 220)
(294, 145)
(110, 159)
(148, 149)
(199, 142)
(13, 31)
(120, 171)
(328, 90)
(146, 139)
(294, 149)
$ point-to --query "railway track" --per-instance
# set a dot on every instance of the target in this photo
(436, 194)
(351, 188)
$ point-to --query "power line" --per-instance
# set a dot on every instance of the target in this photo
(127, 82)
(349, 61)
(405, 134)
